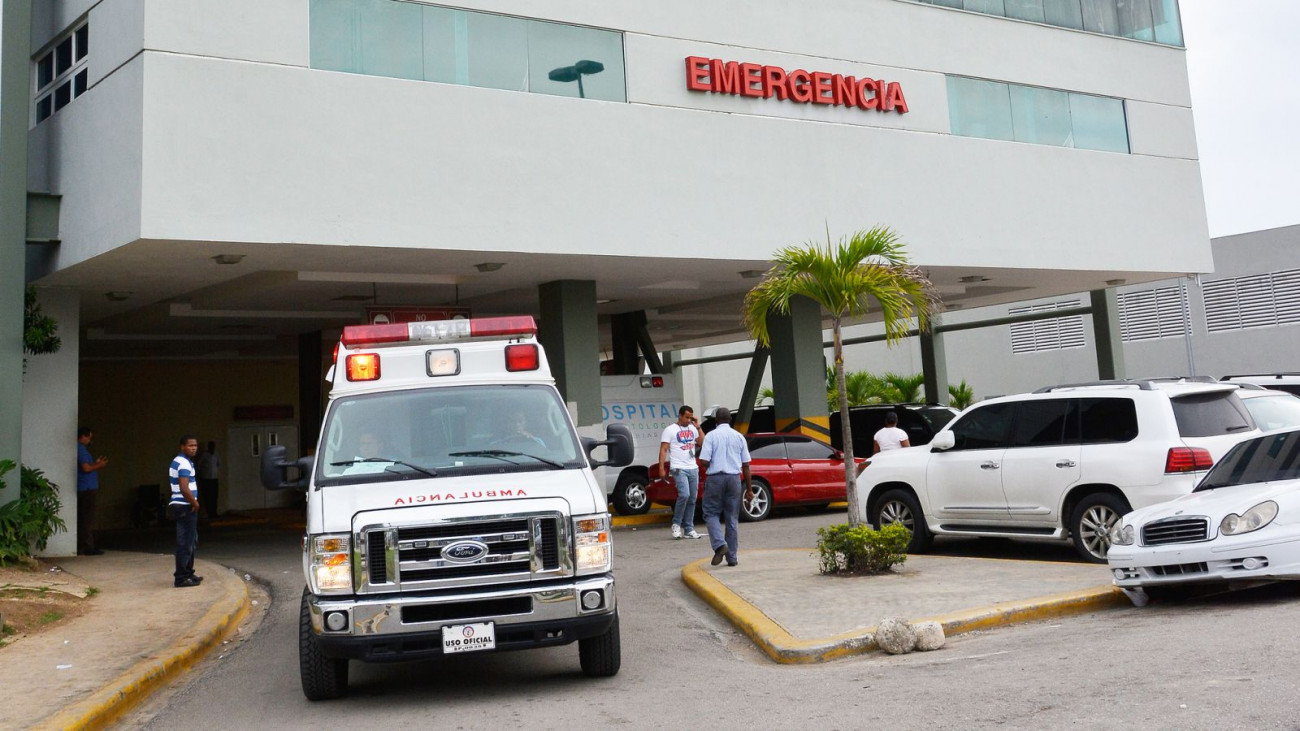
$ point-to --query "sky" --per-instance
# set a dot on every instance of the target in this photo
(1242, 62)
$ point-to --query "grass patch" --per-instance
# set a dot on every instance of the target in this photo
(91, 591)
(8, 630)
(50, 616)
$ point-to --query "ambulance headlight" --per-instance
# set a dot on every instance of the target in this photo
(593, 551)
(330, 559)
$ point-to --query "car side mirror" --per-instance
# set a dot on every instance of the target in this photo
(275, 470)
(838, 455)
(943, 441)
(618, 444)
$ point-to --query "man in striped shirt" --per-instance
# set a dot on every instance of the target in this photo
(184, 508)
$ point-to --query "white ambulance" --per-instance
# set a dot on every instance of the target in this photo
(451, 505)
(646, 405)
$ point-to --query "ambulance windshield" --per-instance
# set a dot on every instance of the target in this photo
(438, 432)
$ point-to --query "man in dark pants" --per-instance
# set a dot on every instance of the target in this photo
(725, 458)
(209, 467)
(184, 509)
(87, 488)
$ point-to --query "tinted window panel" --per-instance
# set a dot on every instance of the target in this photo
(63, 56)
(83, 41)
(1210, 415)
(1265, 459)
(1040, 423)
(45, 71)
(79, 82)
(979, 108)
(1106, 420)
(1274, 412)
(1041, 116)
(766, 448)
(1101, 16)
(62, 95)
(566, 60)
(991, 7)
(1025, 10)
(986, 427)
(1135, 19)
(1065, 13)
(1098, 123)
(807, 449)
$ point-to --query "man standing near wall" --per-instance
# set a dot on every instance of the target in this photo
(184, 509)
(725, 457)
(87, 488)
(209, 467)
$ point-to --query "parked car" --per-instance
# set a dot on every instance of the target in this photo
(1271, 409)
(786, 470)
(1289, 382)
(1240, 525)
(920, 421)
(1062, 463)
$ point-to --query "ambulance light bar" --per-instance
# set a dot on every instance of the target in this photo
(439, 330)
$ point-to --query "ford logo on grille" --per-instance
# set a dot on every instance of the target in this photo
(465, 551)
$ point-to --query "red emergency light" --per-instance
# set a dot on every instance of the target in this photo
(439, 330)
(522, 357)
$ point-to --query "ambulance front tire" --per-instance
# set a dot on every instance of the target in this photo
(601, 656)
(323, 678)
(630, 494)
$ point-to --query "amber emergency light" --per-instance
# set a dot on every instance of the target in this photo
(363, 367)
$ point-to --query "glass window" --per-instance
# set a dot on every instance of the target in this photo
(62, 95)
(83, 41)
(1210, 414)
(63, 56)
(990, 7)
(376, 37)
(1040, 423)
(766, 448)
(984, 427)
(1135, 19)
(1063, 13)
(566, 60)
(1025, 10)
(1098, 123)
(946, 3)
(1274, 411)
(79, 82)
(1104, 420)
(45, 70)
(1271, 458)
(1101, 16)
(978, 108)
(1041, 115)
(1168, 27)
(44, 108)
(805, 448)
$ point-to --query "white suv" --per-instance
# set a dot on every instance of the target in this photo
(1059, 463)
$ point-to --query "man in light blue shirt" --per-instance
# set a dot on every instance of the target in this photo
(725, 460)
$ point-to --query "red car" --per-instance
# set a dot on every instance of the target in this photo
(786, 470)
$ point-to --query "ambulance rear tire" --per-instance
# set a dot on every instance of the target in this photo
(601, 655)
(631, 496)
(323, 678)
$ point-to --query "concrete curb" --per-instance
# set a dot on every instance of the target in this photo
(134, 686)
(783, 647)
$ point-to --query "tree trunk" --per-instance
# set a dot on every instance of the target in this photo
(846, 429)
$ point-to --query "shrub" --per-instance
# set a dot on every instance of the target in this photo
(861, 550)
(32, 518)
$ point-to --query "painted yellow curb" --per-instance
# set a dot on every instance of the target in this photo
(135, 686)
(646, 519)
(783, 647)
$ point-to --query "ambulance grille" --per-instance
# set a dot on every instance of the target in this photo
(375, 554)
(517, 549)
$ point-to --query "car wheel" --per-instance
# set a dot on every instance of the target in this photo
(630, 496)
(761, 506)
(323, 677)
(1090, 525)
(900, 506)
(601, 656)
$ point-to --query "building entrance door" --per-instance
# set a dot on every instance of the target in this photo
(244, 463)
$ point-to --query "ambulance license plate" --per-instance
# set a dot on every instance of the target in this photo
(469, 637)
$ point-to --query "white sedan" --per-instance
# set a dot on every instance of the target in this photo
(1241, 525)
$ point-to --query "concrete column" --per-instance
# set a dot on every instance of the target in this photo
(624, 328)
(934, 365)
(799, 371)
(311, 384)
(1105, 325)
(15, 108)
(568, 331)
(749, 395)
(50, 412)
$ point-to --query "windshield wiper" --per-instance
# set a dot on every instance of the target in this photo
(359, 460)
(501, 454)
(1239, 427)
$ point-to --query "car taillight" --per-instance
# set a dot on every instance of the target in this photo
(363, 367)
(1188, 459)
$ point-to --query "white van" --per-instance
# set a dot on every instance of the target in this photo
(646, 405)
(451, 505)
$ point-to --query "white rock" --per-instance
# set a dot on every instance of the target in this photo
(895, 636)
(929, 636)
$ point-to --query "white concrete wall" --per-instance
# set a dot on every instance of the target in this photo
(50, 413)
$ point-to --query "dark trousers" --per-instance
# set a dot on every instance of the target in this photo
(208, 496)
(85, 520)
(187, 540)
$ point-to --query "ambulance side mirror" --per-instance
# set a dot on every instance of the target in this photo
(618, 444)
(275, 470)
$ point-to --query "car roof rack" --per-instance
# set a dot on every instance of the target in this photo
(1144, 385)
(1262, 375)
(1185, 379)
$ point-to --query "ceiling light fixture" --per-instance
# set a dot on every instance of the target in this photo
(752, 273)
(489, 266)
(118, 296)
(228, 258)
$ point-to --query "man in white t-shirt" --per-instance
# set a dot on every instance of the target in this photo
(890, 437)
(677, 445)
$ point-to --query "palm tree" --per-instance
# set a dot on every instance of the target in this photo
(961, 395)
(868, 269)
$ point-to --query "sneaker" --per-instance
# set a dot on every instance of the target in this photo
(718, 554)
(187, 582)
(677, 531)
(692, 534)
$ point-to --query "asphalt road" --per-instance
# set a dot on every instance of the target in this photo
(1222, 662)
